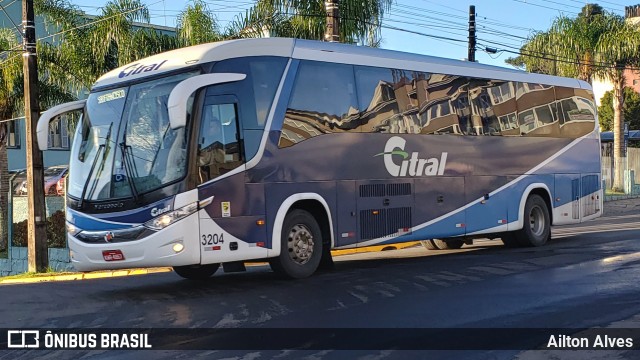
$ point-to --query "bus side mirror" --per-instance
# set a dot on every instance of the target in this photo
(42, 129)
(179, 96)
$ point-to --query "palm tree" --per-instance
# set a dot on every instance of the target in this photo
(68, 68)
(197, 24)
(359, 21)
(618, 47)
(594, 44)
(10, 68)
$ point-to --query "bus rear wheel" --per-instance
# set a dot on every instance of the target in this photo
(537, 223)
(196, 272)
(300, 246)
(437, 244)
(428, 244)
(450, 244)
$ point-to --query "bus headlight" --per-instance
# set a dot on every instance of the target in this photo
(164, 220)
(71, 229)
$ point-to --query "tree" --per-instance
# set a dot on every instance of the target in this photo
(68, 68)
(595, 43)
(630, 109)
(306, 19)
(197, 24)
(89, 47)
(9, 68)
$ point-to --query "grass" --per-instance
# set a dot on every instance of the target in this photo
(612, 192)
(4, 254)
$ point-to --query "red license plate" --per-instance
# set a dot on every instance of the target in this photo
(112, 255)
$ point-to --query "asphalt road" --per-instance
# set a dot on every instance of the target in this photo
(587, 277)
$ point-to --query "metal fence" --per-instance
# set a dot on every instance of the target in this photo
(631, 166)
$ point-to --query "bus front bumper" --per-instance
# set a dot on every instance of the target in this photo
(175, 245)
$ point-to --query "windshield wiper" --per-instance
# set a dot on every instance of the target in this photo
(93, 166)
(128, 169)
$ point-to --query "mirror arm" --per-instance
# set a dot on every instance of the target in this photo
(42, 129)
(179, 96)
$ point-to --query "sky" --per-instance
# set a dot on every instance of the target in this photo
(431, 27)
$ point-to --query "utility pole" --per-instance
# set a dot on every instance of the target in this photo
(38, 257)
(332, 32)
(471, 54)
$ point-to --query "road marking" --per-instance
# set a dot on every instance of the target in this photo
(360, 297)
(492, 270)
(432, 280)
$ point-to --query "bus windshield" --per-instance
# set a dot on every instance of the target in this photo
(124, 145)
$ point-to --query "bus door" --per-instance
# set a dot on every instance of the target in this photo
(567, 199)
(219, 151)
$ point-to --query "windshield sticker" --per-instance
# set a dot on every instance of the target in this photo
(114, 95)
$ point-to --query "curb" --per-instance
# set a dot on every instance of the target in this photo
(85, 276)
(619, 197)
(374, 248)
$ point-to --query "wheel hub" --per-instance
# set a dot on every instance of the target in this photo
(537, 221)
(300, 244)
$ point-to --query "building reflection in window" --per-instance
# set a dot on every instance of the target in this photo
(326, 98)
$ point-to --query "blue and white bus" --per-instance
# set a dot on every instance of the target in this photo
(281, 150)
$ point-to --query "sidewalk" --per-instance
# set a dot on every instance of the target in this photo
(623, 206)
(35, 278)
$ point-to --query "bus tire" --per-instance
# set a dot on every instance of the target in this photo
(451, 244)
(536, 230)
(428, 244)
(196, 272)
(300, 246)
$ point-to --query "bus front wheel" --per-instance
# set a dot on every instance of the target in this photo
(196, 272)
(300, 246)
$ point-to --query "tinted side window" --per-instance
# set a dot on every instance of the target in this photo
(576, 112)
(377, 99)
(390, 99)
(255, 93)
(218, 150)
(503, 100)
(537, 110)
(323, 101)
(483, 115)
(445, 108)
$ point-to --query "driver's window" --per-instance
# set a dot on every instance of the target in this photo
(218, 147)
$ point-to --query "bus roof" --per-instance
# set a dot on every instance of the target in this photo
(321, 51)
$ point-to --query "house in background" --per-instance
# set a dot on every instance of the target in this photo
(59, 142)
(60, 134)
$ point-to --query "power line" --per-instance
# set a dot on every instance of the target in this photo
(608, 8)
(558, 3)
(563, 4)
(538, 5)
(12, 119)
(4, 10)
(543, 56)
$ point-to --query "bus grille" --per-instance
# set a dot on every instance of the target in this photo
(379, 190)
(378, 223)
